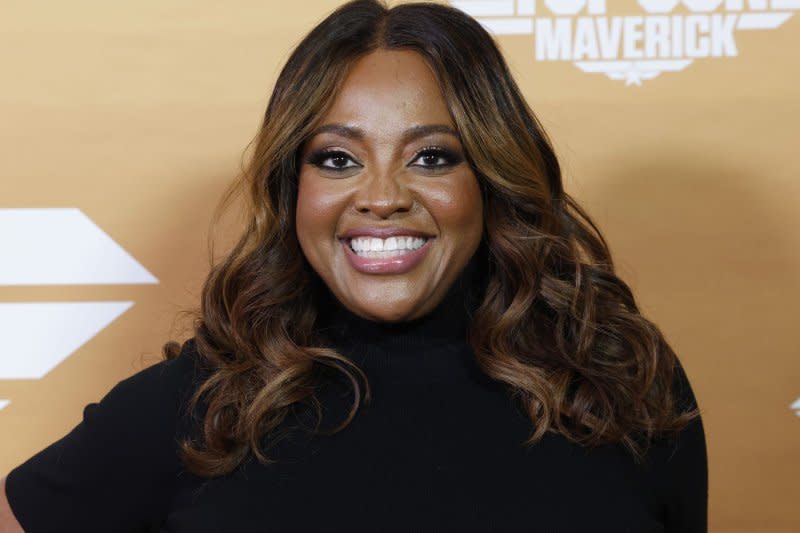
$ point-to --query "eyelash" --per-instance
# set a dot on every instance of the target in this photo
(451, 158)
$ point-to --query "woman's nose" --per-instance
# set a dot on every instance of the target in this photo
(383, 193)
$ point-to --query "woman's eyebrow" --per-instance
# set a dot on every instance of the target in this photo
(412, 133)
(416, 132)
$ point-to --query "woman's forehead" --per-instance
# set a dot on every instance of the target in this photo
(389, 89)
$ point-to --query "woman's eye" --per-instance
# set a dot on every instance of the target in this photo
(435, 158)
(428, 158)
(332, 160)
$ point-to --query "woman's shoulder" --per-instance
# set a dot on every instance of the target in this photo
(145, 408)
(173, 376)
(154, 396)
(681, 462)
(187, 364)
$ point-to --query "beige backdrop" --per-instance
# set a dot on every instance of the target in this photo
(138, 115)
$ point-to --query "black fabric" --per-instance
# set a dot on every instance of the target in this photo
(438, 449)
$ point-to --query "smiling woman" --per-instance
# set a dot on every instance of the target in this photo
(419, 329)
(388, 209)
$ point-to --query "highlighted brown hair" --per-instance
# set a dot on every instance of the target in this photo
(555, 323)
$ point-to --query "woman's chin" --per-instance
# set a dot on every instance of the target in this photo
(384, 309)
(383, 313)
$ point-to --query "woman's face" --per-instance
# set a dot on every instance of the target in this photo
(389, 211)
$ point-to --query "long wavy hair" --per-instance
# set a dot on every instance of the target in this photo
(554, 322)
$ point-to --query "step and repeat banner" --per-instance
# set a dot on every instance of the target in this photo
(677, 123)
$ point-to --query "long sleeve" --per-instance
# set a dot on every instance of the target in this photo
(116, 469)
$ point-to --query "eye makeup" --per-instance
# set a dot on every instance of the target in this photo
(337, 156)
(449, 157)
(430, 158)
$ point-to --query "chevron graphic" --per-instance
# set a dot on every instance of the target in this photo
(62, 246)
(56, 246)
(37, 336)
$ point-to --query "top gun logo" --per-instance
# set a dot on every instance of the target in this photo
(667, 36)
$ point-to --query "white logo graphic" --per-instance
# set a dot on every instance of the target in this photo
(56, 247)
(62, 247)
(796, 407)
(666, 37)
(37, 336)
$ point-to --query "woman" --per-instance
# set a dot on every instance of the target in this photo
(419, 329)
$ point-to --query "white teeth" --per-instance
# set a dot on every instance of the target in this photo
(374, 247)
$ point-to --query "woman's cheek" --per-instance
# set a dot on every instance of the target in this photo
(457, 205)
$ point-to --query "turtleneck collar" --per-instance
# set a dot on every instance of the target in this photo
(431, 348)
(447, 322)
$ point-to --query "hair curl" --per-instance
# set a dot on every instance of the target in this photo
(555, 323)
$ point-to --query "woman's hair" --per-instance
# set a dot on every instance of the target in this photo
(553, 321)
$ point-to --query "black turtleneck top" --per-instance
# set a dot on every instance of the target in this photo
(440, 448)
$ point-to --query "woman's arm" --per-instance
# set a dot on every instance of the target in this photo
(8, 522)
(686, 469)
(115, 471)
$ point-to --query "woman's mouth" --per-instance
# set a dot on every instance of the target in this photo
(393, 255)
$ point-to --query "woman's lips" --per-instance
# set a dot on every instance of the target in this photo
(396, 264)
